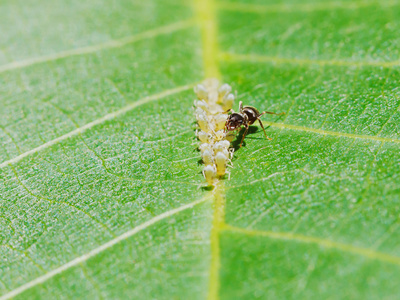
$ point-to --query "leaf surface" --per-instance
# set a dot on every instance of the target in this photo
(99, 177)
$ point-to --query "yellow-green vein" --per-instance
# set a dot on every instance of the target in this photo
(77, 261)
(303, 7)
(206, 15)
(97, 122)
(94, 48)
(325, 243)
(332, 133)
(234, 57)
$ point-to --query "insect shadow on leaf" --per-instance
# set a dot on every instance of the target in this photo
(236, 142)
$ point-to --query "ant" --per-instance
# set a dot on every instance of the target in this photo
(246, 116)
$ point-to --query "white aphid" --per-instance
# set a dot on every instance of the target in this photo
(221, 145)
(219, 135)
(200, 112)
(215, 109)
(201, 92)
(221, 162)
(205, 146)
(211, 84)
(204, 137)
(220, 121)
(228, 154)
(213, 97)
(224, 89)
(201, 104)
(205, 123)
(207, 157)
(210, 173)
(227, 101)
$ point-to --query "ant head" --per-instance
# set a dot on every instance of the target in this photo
(234, 121)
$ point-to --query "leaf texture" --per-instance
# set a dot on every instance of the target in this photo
(99, 172)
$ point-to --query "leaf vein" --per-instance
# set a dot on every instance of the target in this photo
(100, 249)
(104, 226)
(234, 58)
(333, 133)
(304, 7)
(97, 122)
(95, 48)
(325, 243)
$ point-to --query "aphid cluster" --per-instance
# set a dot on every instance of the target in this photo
(210, 108)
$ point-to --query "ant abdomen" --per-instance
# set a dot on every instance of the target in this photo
(252, 114)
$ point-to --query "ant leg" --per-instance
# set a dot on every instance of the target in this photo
(262, 126)
(271, 113)
(244, 134)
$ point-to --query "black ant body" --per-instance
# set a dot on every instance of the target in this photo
(246, 116)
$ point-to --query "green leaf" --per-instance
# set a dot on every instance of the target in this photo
(100, 177)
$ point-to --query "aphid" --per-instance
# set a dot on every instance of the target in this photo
(207, 157)
(227, 102)
(219, 135)
(201, 92)
(224, 89)
(221, 161)
(221, 145)
(212, 96)
(200, 112)
(205, 146)
(246, 116)
(204, 137)
(201, 104)
(204, 123)
(228, 153)
(220, 120)
(210, 173)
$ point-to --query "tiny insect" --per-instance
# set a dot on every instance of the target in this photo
(210, 173)
(221, 161)
(246, 116)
